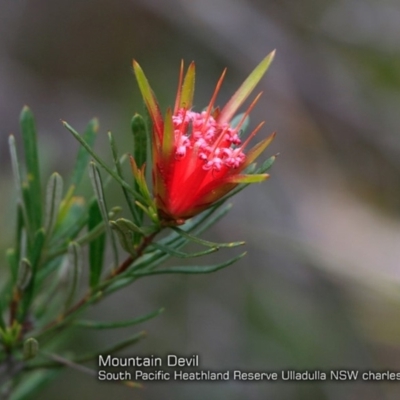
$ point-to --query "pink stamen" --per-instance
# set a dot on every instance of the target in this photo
(215, 153)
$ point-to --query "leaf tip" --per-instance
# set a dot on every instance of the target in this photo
(272, 54)
(96, 124)
(25, 109)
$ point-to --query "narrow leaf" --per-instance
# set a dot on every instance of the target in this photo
(98, 189)
(266, 165)
(53, 201)
(198, 225)
(130, 226)
(254, 178)
(2, 309)
(82, 159)
(168, 137)
(112, 173)
(32, 383)
(87, 237)
(135, 212)
(255, 151)
(119, 324)
(34, 256)
(203, 269)
(149, 98)
(205, 242)
(96, 246)
(151, 261)
(139, 133)
(12, 260)
(245, 89)
(32, 165)
(30, 349)
(176, 253)
(18, 180)
(186, 98)
(24, 274)
(125, 236)
(75, 264)
(140, 181)
(36, 251)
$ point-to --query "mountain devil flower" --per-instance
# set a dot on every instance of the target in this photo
(199, 157)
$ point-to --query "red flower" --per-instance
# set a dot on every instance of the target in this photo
(199, 157)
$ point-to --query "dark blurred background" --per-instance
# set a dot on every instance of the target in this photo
(319, 288)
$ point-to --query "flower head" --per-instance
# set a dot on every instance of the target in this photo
(198, 157)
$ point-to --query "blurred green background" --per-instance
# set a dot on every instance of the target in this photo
(319, 288)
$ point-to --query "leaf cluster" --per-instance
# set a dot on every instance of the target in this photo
(52, 280)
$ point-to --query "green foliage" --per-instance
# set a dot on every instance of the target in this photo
(34, 192)
(45, 293)
(83, 157)
(96, 246)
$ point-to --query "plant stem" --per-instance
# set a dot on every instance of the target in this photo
(91, 295)
(139, 251)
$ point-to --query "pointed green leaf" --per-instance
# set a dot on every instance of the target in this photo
(198, 225)
(36, 251)
(199, 269)
(149, 98)
(140, 137)
(264, 167)
(150, 211)
(254, 152)
(186, 99)
(235, 122)
(205, 242)
(99, 191)
(152, 261)
(19, 231)
(75, 265)
(255, 178)
(32, 166)
(18, 182)
(140, 180)
(118, 324)
(82, 159)
(96, 246)
(53, 200)
(168, 137)
(31, 348)
(24, 274)
(3, 307)
(173, 252)
(32, 383)
(130, 226)
(267, 164)
(112, 173)
(12, 261)
(134, 211)
(34, 256)
(125, 236)
(139, 132)
(245, 89)
(83, 239)
(72, 222)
